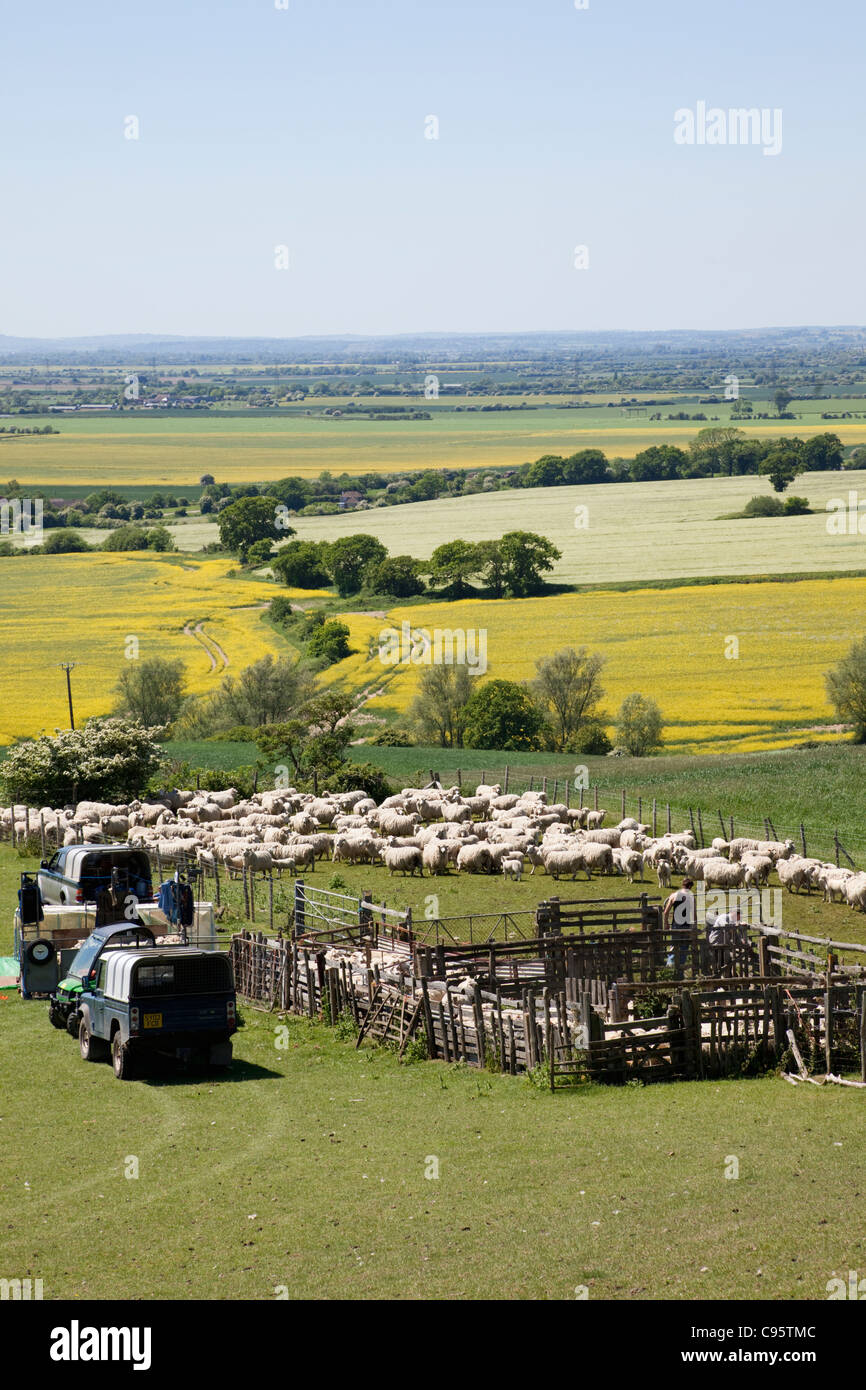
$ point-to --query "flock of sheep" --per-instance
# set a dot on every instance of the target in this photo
(435, 830)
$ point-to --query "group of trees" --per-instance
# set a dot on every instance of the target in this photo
(558, 710)
(514, 565)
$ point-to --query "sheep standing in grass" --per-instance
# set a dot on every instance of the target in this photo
(402, 858)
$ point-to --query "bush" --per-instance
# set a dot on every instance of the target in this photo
(592, 740)
(390, 738)
(64, 542)
(366, 776)
(108, 760)
(797, 506)
(329, 642)
(763, 506)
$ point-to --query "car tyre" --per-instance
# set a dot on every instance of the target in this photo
(72, 1023)
(121, 1058)
(92, 1049)
(56, 1016)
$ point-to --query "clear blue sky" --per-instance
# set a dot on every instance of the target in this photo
(306, 127)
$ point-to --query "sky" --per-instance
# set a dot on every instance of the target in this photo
(356, 166)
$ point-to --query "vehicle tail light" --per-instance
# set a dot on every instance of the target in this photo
(133, 1020)
(230, 1011)
(79, 895)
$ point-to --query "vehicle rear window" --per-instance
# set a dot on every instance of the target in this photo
(183, 976)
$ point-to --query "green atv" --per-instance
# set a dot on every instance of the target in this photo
(64, 1006)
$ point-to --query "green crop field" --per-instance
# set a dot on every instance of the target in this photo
(176, 449)
(629, 531)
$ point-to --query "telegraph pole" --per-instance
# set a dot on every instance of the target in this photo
(68, 666)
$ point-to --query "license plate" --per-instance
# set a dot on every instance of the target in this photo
(153, 1020)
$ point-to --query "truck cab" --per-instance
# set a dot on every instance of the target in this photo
(178, 1001)
(77, 873)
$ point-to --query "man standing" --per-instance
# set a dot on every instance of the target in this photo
(678, 915)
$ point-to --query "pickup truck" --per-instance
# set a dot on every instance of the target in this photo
(82, 973)
(76, 873)
(175, 1000)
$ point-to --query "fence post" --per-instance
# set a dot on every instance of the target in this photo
(803, 839)
(701, 829)
(724, 827)
(595, 793)
(505, 791)
(828, 1024)
(669, 817)
(654, 818)
(300, 918)
(640, 809)
(861, 1018)
(622, 804)
(836, 846)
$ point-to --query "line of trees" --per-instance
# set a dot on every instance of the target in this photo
(559, 710)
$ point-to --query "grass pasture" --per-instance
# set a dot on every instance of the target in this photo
(306, 1169)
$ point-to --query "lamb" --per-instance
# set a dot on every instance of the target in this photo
(512, 866)
(758, 868)
(663, 873)
(595, 819)
(833, 882)
(404, 858)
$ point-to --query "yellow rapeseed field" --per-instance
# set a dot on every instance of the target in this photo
(84, 608)
(733, 667)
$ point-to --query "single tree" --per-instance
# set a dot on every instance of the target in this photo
(109, 759)
(501, 714)
(247, 520)
(437, 710)
(453, 564)
(846, 689)
(329, 643)
(782, 399)
(639, 725)
(782, 465)
(151, 690)
(527, 557)
(301, 565)
(348, 558)
(397, 575)
(567, 688)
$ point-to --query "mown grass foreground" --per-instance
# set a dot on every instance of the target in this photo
(306, 1172)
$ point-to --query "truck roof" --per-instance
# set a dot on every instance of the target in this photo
(120, 964)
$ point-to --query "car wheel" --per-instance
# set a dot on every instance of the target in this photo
(121, 1058)
(92, 1049)
(72, 1022)
(56, 1016)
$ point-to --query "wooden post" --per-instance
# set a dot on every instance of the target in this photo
(828, 1025)
(595, 793)
(216, 880)
(246, 894)
(836, 845)
(252, 878)
(861, 1015)
(803, 839)
(731, 836)
(479, 1026)
(622, 804)
(428, 1019)
(42, 832)
(701, 829)
(459, 780)
(640, 809)
(764, 959)
(271, 899)
(692, 819)
(505, 786)
(669, 818)
(724, 827)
